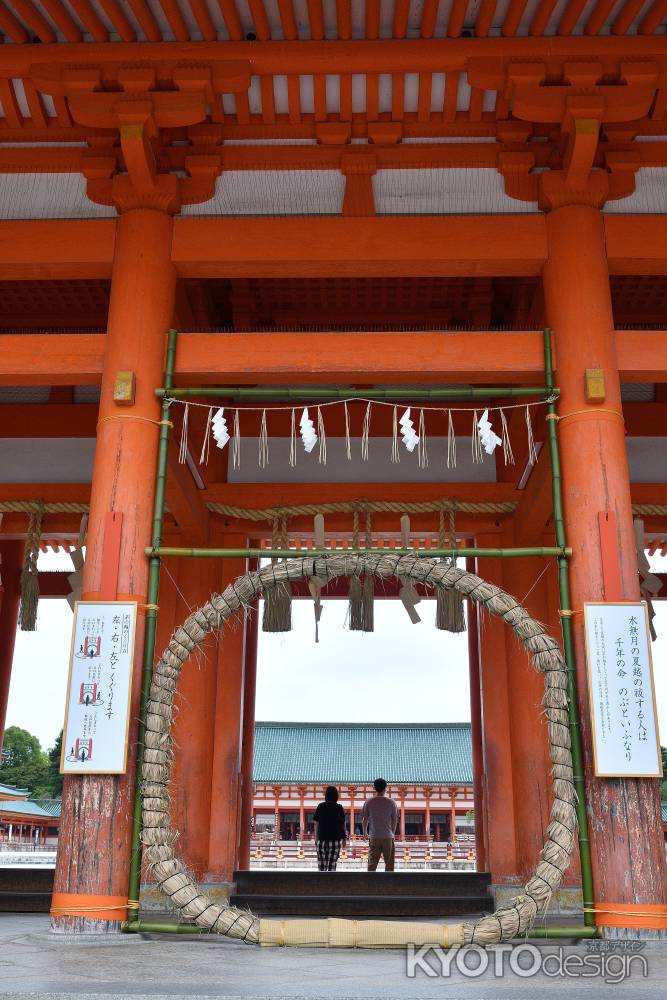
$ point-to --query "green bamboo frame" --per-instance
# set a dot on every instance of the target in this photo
(549, 392)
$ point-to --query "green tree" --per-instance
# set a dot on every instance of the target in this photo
(663, 785)
(55, 776)
(24, 763)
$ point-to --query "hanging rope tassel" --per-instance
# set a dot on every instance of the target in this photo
(236, 442)
(29, 574)
(277, 615)
(183, 447)
(355, 609)
(449, 616)
(368, 589)
(451, 442)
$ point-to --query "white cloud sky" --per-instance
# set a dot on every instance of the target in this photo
(399, 673)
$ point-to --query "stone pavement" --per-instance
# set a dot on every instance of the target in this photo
(34, 963)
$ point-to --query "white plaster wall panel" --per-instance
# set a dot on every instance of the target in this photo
(378, 469)
(647, 459)
(48, 196)
(445, 192)
(46, 460)
(649, 198)
(274, 192)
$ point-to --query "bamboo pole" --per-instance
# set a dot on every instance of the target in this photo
(330, 392)
(449, 553)
(134, 888)
(568, 647)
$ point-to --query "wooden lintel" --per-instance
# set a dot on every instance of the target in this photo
(325, 247)
(384, 246)
(512, 357)
(56, 248)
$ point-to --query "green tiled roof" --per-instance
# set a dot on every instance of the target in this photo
(50, 806)
(435, 753)
(13, 790)
(24, 807)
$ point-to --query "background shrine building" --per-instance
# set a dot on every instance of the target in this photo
(428, 768)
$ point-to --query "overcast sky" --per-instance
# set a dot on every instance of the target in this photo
(399, 673)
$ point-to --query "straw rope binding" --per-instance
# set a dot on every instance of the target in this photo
(159, 838)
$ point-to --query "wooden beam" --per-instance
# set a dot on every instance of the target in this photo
(184, 500)
(48, 420)
(513, 357)
(325, 247)
(43, 249)
(382, 246)
(366, 358)
(51, 359)
(636, 244)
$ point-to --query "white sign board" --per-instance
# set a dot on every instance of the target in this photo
(100, 683)
(622, 695)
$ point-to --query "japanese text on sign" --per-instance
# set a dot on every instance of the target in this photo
(98, 696)
(622, 701)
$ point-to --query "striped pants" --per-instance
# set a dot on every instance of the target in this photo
(328, 852)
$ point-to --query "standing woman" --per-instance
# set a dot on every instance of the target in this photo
(329, 830)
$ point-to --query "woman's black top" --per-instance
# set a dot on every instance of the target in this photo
(331, 819)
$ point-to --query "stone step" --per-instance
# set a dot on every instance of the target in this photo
(359, 906)
(269, 882)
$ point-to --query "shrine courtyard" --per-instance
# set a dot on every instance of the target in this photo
(34, 964)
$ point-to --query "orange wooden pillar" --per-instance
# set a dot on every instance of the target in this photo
(627, 848)
(476, 737)
(94, 845)
(224, 838)
(11, 558)
(248, 738)
(496, 735)
(194, 719)
(531, 767)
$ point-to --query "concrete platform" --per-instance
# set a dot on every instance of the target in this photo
(33, 963)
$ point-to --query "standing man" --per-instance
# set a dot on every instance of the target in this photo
(379, 822)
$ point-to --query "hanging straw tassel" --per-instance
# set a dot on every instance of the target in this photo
(263, 443)
(355, 611)
(348, 447)
(183, 449)
(206, 443)
(395, 453)
(451, 442)
(422, 451)
(532, 451)
(292, 440)
(277, 615)
(29, 574)
(368, 589)
(322, 438)
(236, 442)
(507, 444)
(365, 433)
(477, 455)
(449, 616)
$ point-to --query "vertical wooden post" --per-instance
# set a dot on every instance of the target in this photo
(531, 766)
(223, 855)
(495, 712)
(11, 558)
(476, 732)
(95, 830)
(595, 478)
(247, 749)
(194, 722)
